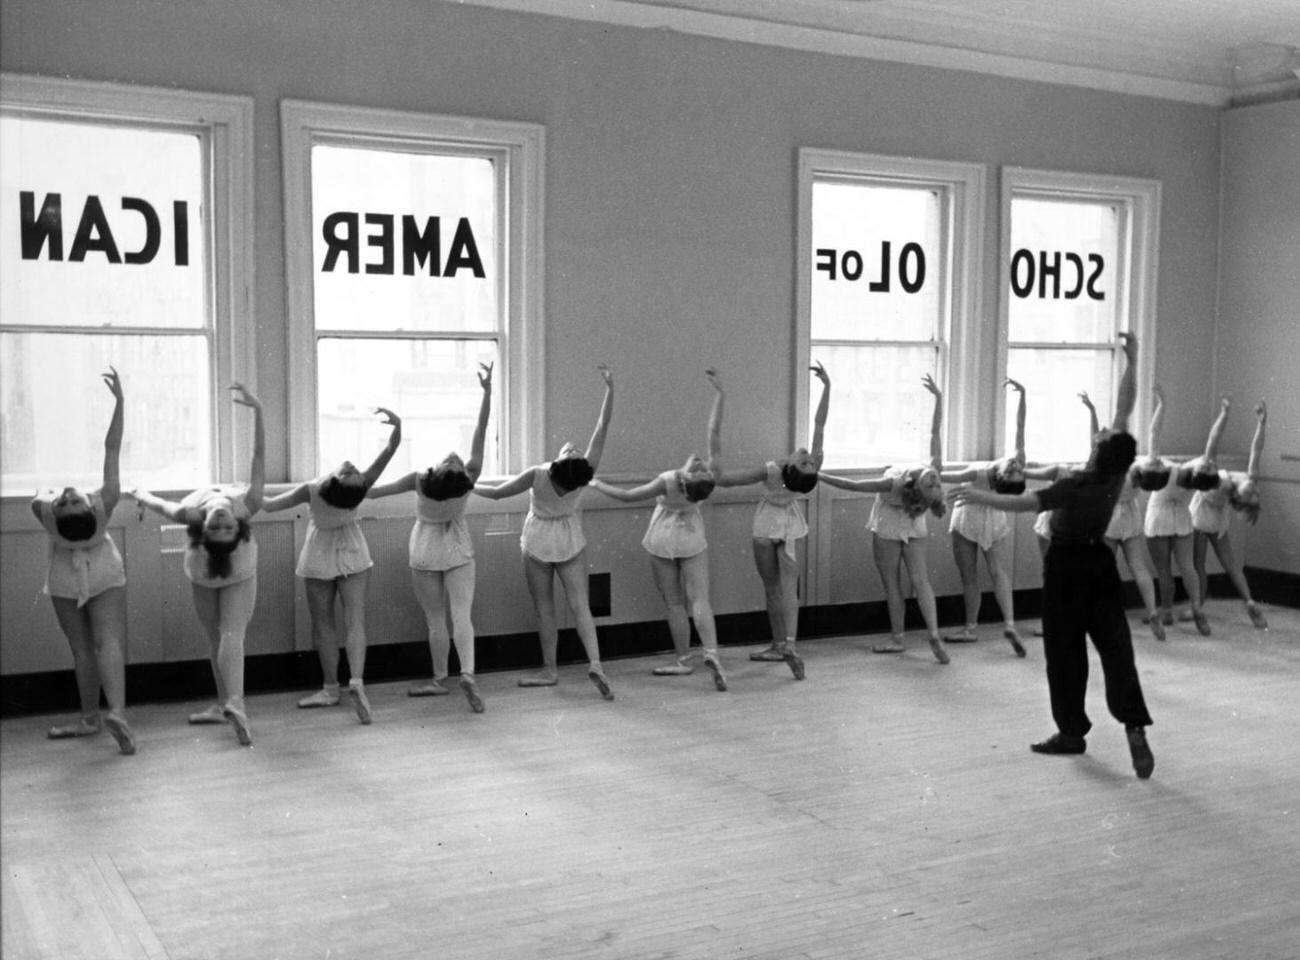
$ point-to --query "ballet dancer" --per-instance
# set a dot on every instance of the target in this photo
(335, 563)
(778, 528)
(675, 541)
(553, 544)
(442, 554)
(977, 529)
(85, 583)
(221, 564)
(1082, 595)
(899, 533)
(1211, 517)
(1168, 521)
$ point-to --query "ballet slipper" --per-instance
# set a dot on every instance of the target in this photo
(597, 676)
(121, 732)
(936, 647)
(360, 703)
(430, 689)
(470, 689)
(235, 715)
(82, 727)
(715, 667)
(1013, 638)
(212, 714)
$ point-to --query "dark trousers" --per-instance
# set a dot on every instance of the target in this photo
(1082, 596)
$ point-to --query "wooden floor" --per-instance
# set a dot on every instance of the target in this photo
(886, 807)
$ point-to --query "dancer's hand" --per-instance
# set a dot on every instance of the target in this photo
(1015, 385)
(928, 382)
(485, 377)
(114, 382)
(820, 373)
(390, 418)
(244, 397)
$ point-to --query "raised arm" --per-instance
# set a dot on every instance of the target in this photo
(404, 485)
(1157, 421)
(715, 422)
(823, 407)
(868, 485)
(111, 491)
(257, 470)
(654, 488)
(1257, 444)
(394, 441)
(1126, 396)
(936, 424)
(1216, 430)
(290, 498)
(596, 446)
(1019, 452)
(475, 465)
(1094, 425)
(509, 488)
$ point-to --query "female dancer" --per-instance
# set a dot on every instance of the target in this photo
(221, 563)
(1168, 522)
(979, 529)
(85, 584)
(335, 563)
(779, 525)
(675, 540)
(1210, 516)
(553, 544)
(442, 554)
(903, 495)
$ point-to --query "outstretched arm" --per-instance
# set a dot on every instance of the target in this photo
(1026, 502)
(509, 488)
(404, 485)
(257, 470)
(394, 441)
(168, 508)
(715, 422)
(936, 424)
(475, 465)
(1094, 425)
(654, 488)
(1257, 444)
(869, 485)
(596, 446)
(823, 407)
(1216, 430)
(1019, 452)
(1157, 421)
(1126, 396)
(111, 491)
(290, 498)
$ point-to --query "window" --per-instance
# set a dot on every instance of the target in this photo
(413, 256)
(888, 255)
(126, 241)
(1078, 255)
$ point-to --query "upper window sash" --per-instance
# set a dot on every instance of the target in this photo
(517, 150)
(961, 238)
(224, 126)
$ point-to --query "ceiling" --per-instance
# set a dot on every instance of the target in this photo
(1204, 51)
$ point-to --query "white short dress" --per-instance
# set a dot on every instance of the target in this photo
(80, 569)
(1169, 508)
(676, 528)
(779, 518)
(976, 522)
(440, 538)
(334, 546)
(243, 561)
(553, 527)
(889, 519)
(1126, 521)
(1212, 509)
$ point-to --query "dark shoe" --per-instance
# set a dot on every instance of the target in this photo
(470, 689)
(1143, 761)
(1059, 743)
(1202, 623)
(598, 678)
(792, 660)
(1013, 638)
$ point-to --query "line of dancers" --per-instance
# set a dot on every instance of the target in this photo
(1189, 509)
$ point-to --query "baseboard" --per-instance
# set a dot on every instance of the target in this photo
(55, 691)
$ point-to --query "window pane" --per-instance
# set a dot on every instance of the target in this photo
(431, 384)
(877, 270)
(1065, 261)
(107, 225)
(880, 413)
(55, 410)
(404, 241)
(1056, 422)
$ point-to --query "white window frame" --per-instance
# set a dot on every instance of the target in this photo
(1135, 282)
(224, 125)
(962, 236)
(518, 150)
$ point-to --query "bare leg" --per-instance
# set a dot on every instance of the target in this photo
(1136, 553)
(459, 585)
(76, 624)
(1227, 558)
(573, 574)
(1186, 566)
(695, 578)
(914, 556)
(1200, 543)
(207, 606)
(998, 557)
(767, 562)
(966, 553)
(352, 591)
(668, 579)
(1161, 549)
(235, 604)
(108, 626)
(324, 637)
(430, 592)
(540, 577)
(889, 559)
